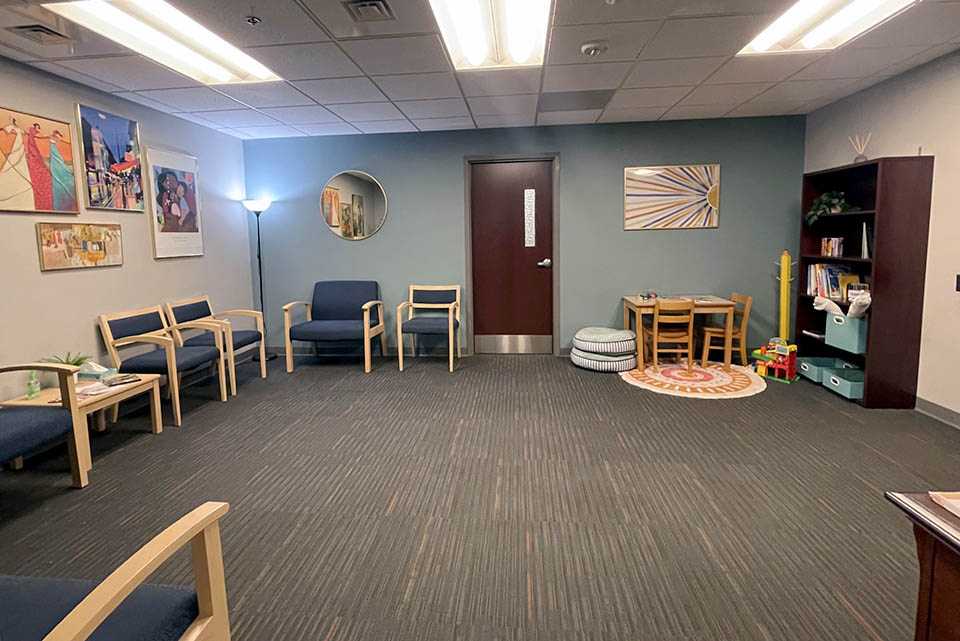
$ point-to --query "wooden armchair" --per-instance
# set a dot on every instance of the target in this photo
(122, 607)
(148, 325)
(24, 428)
(435, 297)
(199, 308)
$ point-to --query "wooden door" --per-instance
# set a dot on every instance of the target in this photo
(511, 219)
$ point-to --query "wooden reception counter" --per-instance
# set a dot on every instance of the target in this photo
(937, 532)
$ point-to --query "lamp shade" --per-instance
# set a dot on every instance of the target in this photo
(257, 206)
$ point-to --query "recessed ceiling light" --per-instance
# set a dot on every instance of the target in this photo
(823, 24)
(164, 34)
(486, 34)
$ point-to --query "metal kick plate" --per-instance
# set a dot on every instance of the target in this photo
(512, 344)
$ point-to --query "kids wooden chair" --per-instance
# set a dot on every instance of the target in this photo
(741, 316)
(430, 297)
(673, 326)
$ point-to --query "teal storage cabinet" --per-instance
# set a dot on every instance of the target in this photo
(812, 367)
(848, 334)
(846, 382)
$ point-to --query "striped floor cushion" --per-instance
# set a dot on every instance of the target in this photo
(604, 340)
(603, 362)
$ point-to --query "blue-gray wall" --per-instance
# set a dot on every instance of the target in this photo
(423, 239)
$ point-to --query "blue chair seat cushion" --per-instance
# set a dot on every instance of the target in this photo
(30, 608)
(241, 338)
(155, 362)
(428, 325)
(24, 428)
(329, 330)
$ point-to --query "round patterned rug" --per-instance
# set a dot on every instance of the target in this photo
(703, 382)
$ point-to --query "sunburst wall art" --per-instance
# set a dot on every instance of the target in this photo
(676, 197)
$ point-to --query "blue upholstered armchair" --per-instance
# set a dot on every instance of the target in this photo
(445, 298)
(122, 607)
(149, 326)
(199, 308)
(24, 427)
(341, 310)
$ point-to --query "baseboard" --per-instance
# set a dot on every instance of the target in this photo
(938, 412)
(391, 351)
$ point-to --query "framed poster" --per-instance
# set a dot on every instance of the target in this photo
(330, 206)
(78, 245)
(673, 197)
(110, 149)
(36, 165)
(175, 214)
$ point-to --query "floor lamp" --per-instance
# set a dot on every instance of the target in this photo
(257, 207)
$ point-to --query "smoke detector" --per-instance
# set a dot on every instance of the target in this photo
(594, 49)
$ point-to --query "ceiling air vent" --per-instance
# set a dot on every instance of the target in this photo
(369, 10)
(40, 34)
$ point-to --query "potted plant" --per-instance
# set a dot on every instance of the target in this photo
(76, 360)
(832, 202)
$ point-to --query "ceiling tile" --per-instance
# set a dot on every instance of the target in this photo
(689, 37)
(147, 102)
(130, 72)
(266, 94)
(443, 108)
(601, 75)
(272, 131)
(306, 61)
(411, 54)
(191, 99)
(237, 118)
(692, 112)
(649, 97)
(301, 115)
(640, 114)
(15, 54)
(925, 56)
(568, 117)
(772, 68)
(856, 63)
(681, 8)
(500, 82)
(494, 105)
(198, 120)
(801, 90)
(328, 129)
(505, 120)
(927, 23)
(367, 111)
(236, 134)
(767, 108)
(675, 72)
(410, 16)
(280, 22)
(413, 86)
(386, 126)
(577, 12)
(575, 100)
(723, 94)
(83, 43)
(340, 90)
(438, 124)
(624, 41)
(70, 74)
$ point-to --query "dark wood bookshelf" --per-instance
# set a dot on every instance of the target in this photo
(893, 197)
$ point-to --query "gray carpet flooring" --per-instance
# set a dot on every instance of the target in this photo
(519, 498)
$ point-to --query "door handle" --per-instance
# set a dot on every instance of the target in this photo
(546, 262)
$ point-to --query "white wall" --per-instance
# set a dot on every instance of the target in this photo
(47, 313)
(910, 111)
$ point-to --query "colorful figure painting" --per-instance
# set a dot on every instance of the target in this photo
(75, 246)
(36, 164)
(111, 155)
(175, 204)
(330, 205)
(678, 197)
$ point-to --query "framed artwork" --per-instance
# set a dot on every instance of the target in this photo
(330, 206)
(346, 220)
(357, 216)
(174, 204)
(674, 197)
(78, 245)
(36, 165)
(110, 148)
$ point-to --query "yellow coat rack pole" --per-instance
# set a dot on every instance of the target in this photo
(785, 279)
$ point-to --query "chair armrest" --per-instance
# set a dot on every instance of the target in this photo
(371, 303)
(402, 306)
(59, 368)
(144, 338)
(290, 306)
(212, 325)
(202, 522)
(242, 312)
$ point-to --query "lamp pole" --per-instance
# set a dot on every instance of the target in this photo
(257, 207)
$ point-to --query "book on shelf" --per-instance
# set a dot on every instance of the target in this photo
(824, 280)
(831, 247)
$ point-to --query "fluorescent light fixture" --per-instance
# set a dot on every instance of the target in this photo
(164, 34)
(823, 24)
(487, 34)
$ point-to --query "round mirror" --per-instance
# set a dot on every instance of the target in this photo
(353, 205)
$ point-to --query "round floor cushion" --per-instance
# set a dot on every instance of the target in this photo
(604, 340)
(603, 362)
